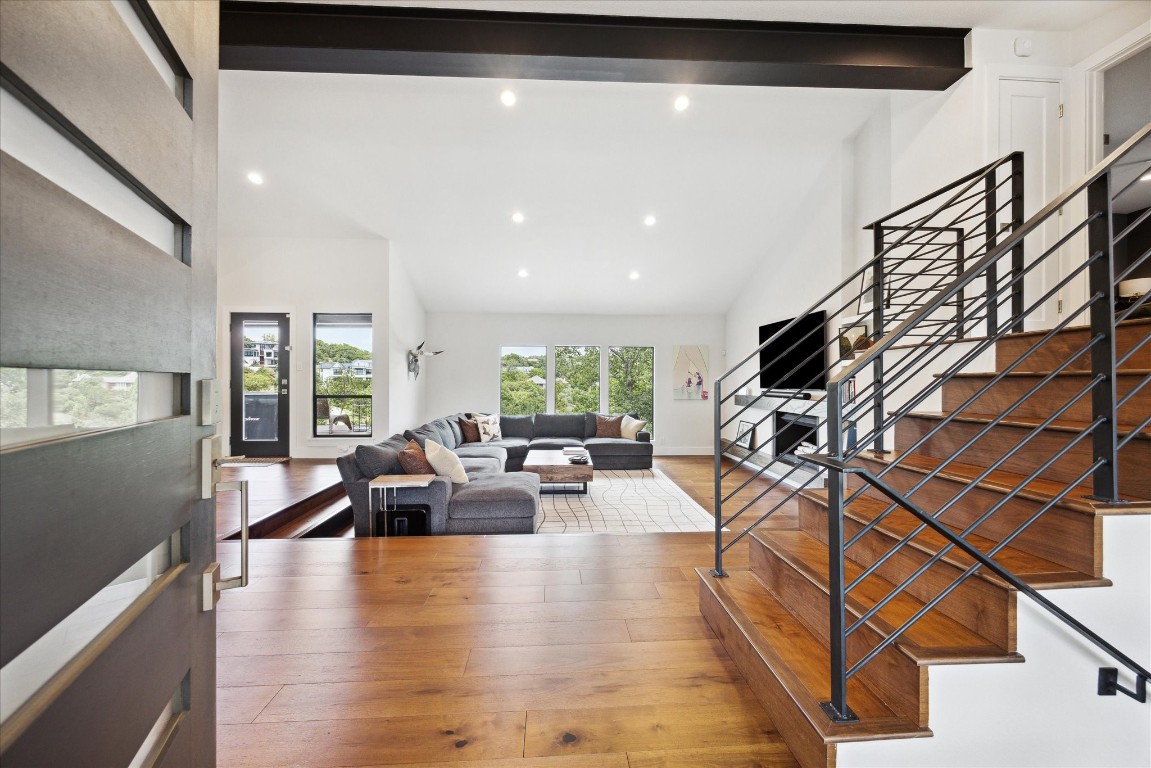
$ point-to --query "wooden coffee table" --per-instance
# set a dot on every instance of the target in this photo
(554, 467)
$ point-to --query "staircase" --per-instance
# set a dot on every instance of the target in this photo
(912, 546)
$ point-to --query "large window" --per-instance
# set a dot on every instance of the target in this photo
(577, 379)
(631, 382)
(523, 380)
(343, 375)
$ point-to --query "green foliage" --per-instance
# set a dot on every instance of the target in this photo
(84, 399)
(519, 395)
(577, 379)
(13, 397)
(631, 377)
(259, 379)
(335, 352)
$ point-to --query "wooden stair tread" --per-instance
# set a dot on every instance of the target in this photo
(1140, 372)
(933, 639)
(1078, 328)
(310, 519)
(1031, 569)
(1059, 425)
(798, 659)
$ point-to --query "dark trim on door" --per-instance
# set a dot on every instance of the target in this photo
(305, 37)
(281, 446)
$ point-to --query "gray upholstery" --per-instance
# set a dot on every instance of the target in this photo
(422, 433)
(616, 446)
(447, 437)
(482, 465)
(378, 460)
(555, 443)
(517, 426)
(516, 447)
(510, 494)
(560, 425)
(482, 450)
(454, 424)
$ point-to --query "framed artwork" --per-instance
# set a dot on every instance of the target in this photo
(689, 372)
(745, 435)
(852, 338)
(866, 297)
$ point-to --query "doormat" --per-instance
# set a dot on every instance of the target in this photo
(250, 461)
(624, 501)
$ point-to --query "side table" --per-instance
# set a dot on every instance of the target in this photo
(381, 484)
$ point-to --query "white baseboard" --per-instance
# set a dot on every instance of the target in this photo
(678, 450)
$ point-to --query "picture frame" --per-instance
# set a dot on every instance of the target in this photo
(745, 435)
(866, 292)
(852, 338)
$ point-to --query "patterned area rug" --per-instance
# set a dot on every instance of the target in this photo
(624, 501)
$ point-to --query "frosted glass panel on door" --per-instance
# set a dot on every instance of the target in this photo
(261, 380)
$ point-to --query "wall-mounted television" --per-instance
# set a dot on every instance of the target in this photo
(797, 359)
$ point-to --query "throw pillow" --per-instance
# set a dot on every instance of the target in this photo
(445, 462)
(608, 426)
(630, 428)
(470, 430)
(489, 427)
(413, 460)
(375, 460)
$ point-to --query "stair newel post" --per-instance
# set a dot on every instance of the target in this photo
(878, 297)
(1101, 283)
(1017, 216)
(836, 708)
(717, 403)
(990, 234)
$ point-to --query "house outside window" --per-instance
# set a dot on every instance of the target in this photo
(342, 378)
(523, 380)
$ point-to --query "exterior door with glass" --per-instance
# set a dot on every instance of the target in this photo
(260, 362)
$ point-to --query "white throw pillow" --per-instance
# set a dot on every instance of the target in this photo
(489, 427)
(444, 462)
(630, 427)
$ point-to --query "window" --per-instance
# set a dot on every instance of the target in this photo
(343, 375)
(523, 380)
(577, 379)
(631, 381)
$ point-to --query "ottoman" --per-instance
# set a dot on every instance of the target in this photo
(495, 503)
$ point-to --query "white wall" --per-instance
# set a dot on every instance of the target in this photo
(466, 376)
(407, 328)
(304, 276)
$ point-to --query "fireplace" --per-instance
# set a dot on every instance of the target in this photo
(791, 429)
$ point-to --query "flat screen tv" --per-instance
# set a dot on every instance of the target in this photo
(797, 359)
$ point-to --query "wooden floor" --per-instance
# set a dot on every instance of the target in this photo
(271, 488)
(573, 651)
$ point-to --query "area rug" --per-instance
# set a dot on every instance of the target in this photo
(624, 501)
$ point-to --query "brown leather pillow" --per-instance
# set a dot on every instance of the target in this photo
(469, 430)
(608, 426)
(414, 461)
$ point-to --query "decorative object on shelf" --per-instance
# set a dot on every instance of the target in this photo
(1131, 292)
(414, 356)
(866, 292)
(745, 435)
(689, 372)
(851, 390)
(852, 338)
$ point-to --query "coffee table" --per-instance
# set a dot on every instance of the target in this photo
(554, 467)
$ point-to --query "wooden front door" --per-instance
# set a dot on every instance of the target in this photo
(107, 331)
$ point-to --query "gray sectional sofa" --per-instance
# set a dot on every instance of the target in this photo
(499, 498)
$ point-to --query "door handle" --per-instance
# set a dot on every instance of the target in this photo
(213, 585)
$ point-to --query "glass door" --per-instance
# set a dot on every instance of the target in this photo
(259, 392)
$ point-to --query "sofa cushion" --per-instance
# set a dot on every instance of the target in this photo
(482, 450)
(422, 433)
(616, 446)
(489, 427)
(413, 460)
(448, 438)
(445, 462)
(560, 425)
(608, 426)
(377, 460)
(516, 447)
(481, 465)
(454, 426)
(469, 430)
(517, 426)
(512, 494)
(630, 427)
(554, 443)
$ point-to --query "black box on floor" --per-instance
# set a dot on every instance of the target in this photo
(410, 520)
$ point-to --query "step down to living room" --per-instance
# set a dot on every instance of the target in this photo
(299, 498)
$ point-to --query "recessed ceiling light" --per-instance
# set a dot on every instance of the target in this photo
(649, 220)
(633, 275)
(682, 103)
(522, 273)
(508, 97)
(518, 217)
(255, 178)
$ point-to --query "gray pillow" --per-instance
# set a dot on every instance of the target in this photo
(378, 460)
(446, 437)
(560, 425)
(517, 426)
(422, 433)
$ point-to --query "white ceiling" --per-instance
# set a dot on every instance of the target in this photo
(437, 165)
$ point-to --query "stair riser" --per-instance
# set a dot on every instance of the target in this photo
(1055, 352)
(1070, 538)
(1050, 397)
(1134, 479)
(899, 681)
(985, 607)
(805, 743)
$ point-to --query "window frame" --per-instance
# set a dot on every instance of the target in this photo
(315, 376)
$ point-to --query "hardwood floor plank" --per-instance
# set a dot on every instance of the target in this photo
(669, 573)
(398, 638)
(679, 590)
(296, 668)
(572, 593)
(670, 654)
(649, 727)
(243, 704)
(669, 628)
(719, 684)
(486, 595)
(422, 738)
(559, 761)
(308, 618)
(437, 615)
(773, 755)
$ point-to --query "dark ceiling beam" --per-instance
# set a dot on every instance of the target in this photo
(296, 37)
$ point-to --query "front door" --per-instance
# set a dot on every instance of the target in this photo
(260, 362)
(107, 339)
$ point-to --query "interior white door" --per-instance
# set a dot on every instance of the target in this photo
(1029, 122)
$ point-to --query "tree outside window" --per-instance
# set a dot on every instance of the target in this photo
(631, 382)
(523, 380)
(343, 374)
(577, 379)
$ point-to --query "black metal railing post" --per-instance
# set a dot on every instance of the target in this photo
(836, 708)
(991, 235)
(1017, 252)
(878, 298)
(718, 451)
(1101, 282)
